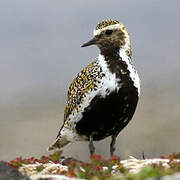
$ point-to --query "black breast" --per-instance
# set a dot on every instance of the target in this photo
(106, 116)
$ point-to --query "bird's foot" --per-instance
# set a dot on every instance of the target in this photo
(112, 145)
(91, 146)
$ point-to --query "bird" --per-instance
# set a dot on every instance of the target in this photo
(102, 99)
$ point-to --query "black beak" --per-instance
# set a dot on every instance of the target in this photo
(91, 42)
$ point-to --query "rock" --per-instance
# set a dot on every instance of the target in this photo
(8, 173)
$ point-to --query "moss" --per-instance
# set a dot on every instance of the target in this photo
(40, 168)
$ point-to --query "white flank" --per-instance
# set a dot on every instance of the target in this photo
(110, 81)
(68, 132)
(133, 73)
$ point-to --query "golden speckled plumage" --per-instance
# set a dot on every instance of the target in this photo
(106, 23)
(86, 81)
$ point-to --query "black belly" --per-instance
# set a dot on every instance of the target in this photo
(106, 116)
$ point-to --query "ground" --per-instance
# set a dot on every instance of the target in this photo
(57, 167)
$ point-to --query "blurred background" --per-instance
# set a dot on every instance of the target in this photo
(40, 54)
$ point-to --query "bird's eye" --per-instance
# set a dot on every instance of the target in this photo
(108, 32)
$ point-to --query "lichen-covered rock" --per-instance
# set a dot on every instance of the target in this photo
(52, 177)
(32, 170)
(135, 165)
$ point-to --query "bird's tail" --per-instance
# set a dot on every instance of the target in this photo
(58, 143)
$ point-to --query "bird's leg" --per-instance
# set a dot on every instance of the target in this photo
(112, 145)
(91, 146)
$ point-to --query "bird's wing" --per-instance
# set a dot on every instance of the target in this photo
(86, 81)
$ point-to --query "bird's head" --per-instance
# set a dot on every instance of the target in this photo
(109, 36)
